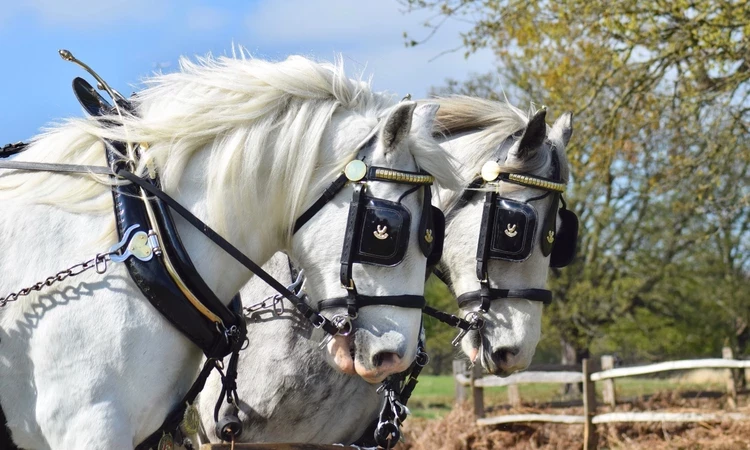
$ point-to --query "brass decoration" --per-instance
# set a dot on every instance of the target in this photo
(551, 237)
(166, 442)
(355, 170)
(428, 236)
(139, 246)
(382, 232)
(527, 180)
(510, 230)
(490, 171)
(191, 420)
(411, 178)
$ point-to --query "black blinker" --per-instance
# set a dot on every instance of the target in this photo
(565, 242)
(438, 232)
(384, 236)
(513, 230)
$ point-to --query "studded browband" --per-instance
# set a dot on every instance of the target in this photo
(356, 171)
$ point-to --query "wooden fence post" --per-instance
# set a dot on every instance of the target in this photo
(459, 368)
(610, 397)
(514, 396)
(590, 437)
(727, 353)
(477, 392)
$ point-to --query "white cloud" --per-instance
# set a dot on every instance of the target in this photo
(414, 71)
(204, 18)
(369, 34)
(326, 20)
(96, 13)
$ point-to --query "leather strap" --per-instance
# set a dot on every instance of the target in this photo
(309, 313)
(404, 301)
(446, 318)
(538, 295)
(327, 196)
(483, 244)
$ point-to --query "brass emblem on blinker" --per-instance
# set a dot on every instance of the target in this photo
(551, 237)
(510, 230)
(428, 236)
(382, 232)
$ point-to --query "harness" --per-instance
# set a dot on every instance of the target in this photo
(151, 248)
(508, 233)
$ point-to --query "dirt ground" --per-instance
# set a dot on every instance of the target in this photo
(458, 430)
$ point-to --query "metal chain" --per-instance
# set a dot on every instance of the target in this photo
(99, 262)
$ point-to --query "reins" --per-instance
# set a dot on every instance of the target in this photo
(317, 320)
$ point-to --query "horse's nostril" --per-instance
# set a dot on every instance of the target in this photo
(384, 358)
(501, 355)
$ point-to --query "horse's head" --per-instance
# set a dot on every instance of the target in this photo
(364, 252)
(506, 230)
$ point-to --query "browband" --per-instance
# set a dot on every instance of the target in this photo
(373, 174)
(532, 181)
(539, 295)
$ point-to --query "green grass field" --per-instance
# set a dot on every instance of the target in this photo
(434, 395)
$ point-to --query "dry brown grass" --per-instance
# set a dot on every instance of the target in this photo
(458, 430)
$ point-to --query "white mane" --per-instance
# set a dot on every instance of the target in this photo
(489, 123)
(234, 107)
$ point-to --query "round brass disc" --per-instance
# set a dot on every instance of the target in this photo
(490, 170)
(355, 170)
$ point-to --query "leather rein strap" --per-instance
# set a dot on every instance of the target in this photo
(310, 314)
(539, 295)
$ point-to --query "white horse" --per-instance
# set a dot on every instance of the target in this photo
(479, 131)
(291, 395)
(246, 145)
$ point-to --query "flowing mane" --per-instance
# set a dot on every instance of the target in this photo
(235, 107)
(489, 123)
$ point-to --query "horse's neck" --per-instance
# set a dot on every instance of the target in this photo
(222, 273)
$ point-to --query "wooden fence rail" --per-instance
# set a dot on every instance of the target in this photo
(608, 374)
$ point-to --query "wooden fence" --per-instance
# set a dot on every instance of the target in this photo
(474, 380)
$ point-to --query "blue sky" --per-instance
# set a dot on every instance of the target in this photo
(126, 40)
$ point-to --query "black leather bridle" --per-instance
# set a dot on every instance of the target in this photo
(496, 211)
(368, 215)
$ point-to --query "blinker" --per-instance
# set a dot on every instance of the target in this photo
(513, 230)
(384, 236)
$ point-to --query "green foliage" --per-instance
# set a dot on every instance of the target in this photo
(660, 167)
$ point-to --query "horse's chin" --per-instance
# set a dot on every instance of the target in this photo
(370, 376)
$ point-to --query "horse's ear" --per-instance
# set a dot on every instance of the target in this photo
(424, 116)
(533, 137)
(397, 125)
(563, 128)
